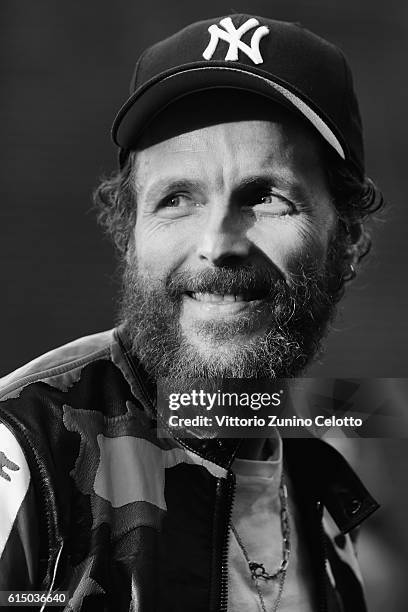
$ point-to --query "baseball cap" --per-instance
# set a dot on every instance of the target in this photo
(280, 60)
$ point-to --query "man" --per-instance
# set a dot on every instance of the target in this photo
(238, 211)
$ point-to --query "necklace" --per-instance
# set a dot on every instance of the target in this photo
(257, 570)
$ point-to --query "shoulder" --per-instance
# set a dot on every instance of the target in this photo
(60, 365)
(68, 390)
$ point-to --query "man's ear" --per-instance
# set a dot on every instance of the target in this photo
(357, 247)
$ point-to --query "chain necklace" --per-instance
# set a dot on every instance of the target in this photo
(257, 570)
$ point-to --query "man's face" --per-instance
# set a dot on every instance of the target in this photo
(234, 223)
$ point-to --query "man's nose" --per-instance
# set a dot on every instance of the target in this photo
(223, 240)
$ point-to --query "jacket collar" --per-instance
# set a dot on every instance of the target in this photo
(319, 471)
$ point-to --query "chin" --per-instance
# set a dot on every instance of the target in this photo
(226, 334)
(238, 356)
(219, 344)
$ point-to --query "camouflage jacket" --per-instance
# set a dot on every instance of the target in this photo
(96, 504)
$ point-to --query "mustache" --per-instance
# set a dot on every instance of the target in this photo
(255, 282)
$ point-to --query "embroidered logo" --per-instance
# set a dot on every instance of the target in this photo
(232, 36)
(5, 462)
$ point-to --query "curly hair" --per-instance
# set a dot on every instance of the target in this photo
(355, 199)
(115, 203)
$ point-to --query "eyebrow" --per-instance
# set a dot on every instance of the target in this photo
(166, 185)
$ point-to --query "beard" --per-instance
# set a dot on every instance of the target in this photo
(298, 310)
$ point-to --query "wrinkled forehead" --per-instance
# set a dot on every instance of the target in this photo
(218, 107)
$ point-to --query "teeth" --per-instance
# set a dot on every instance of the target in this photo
(217, 297)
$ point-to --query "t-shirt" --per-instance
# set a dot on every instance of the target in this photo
(256, 518)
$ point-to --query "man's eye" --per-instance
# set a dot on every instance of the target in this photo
(272, 203)
(178, 200)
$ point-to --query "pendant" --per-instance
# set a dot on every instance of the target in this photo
(258, 571)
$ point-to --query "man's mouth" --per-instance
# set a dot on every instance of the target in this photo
(208, 304)
(217, 298)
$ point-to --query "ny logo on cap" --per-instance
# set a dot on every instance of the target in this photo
(233, 36)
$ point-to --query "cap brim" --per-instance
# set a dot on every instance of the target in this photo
(151, 99)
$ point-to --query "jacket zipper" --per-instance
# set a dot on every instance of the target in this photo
(225, 545)
(322, 561)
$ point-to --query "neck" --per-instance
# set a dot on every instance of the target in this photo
(259, 449)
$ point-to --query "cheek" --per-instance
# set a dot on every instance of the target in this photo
(160, 246)
(289, 242)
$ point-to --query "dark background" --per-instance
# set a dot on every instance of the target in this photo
(65, 72)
